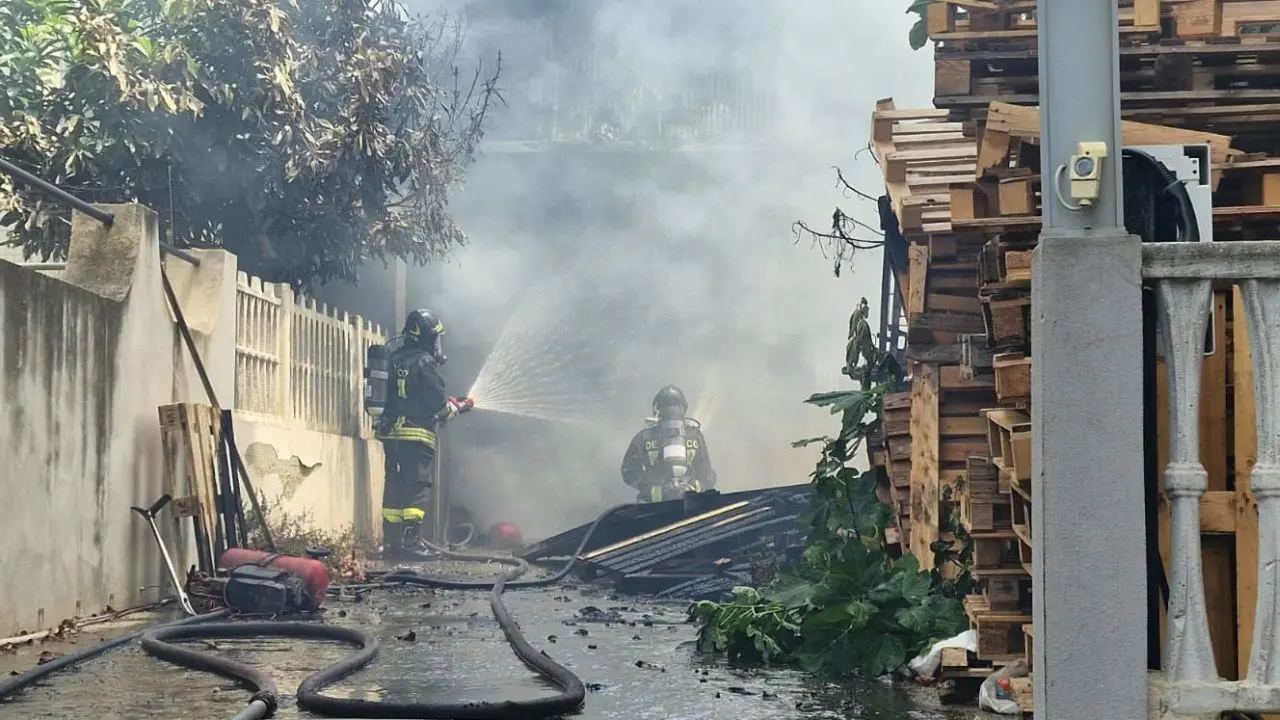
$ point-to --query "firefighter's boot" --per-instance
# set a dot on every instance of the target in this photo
(411, 547)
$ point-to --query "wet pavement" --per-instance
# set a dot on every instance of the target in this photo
(636, 658)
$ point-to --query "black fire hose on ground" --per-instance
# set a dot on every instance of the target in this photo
(572, 691)
(157, 643)
(17, 683)
(309, 697)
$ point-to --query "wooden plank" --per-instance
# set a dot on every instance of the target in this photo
(1213, 400)
(959, 450)
(1012, 376)
(951, 77)
(1246, 454)
(942, 354)
(919, 273)
(944, 321)
(973, 425)
(1196, 18)
(966, 304)
(1024, 122)
(952, 377)
(1218, 512)
(924, 462)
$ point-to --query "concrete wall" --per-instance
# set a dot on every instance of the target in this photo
(88, 357)
(89, 354)
(333, 481)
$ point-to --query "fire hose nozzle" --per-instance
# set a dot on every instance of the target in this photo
(457, 406)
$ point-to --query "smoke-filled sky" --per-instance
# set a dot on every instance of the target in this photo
(617, 264)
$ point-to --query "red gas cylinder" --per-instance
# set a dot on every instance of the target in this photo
(504, 535)
(314, 575)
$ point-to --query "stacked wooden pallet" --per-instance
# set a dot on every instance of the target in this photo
(897, 464)
(922, 156)
(1192, 72)
(1205, 64)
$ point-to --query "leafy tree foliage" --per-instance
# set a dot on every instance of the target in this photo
(303, 135)
(847, 605)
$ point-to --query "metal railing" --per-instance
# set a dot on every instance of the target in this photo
(1183, 275)
(66, 198)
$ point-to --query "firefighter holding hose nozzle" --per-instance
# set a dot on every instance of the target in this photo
(668, 458)
(406, 396)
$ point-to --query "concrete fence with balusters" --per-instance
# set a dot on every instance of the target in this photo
(298, 361)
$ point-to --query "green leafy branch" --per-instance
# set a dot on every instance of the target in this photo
(919, 36)
(847, 604)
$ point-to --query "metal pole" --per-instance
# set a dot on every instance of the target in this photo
(1080, 102)
(180, 254)
(1090, 603)
(54, 191)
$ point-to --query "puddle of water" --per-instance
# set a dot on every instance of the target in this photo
(642, 668)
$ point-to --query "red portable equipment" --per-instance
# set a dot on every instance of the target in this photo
(313, 573)
(505, 535)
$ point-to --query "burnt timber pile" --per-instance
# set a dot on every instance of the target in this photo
(963, 180)
(696, 548)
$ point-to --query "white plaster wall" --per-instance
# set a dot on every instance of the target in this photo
(334, 480)
(87, 359)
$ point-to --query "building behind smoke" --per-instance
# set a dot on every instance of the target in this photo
(574, 78)
(639, 188)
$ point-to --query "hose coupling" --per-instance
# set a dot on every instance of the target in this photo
(268, 698)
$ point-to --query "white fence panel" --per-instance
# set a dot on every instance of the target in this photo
(298, 362)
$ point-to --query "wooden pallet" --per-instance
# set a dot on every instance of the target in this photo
(897, 430)
(1171, 64)
(1028, 635)
(191, 435)
(920, 154)
(1013, 379)
(1005, 589)
(1007, 319)
(982, 506)
(1009, 441)
(1000, 637)
(1008, 126)
(978, 22)
(976, 357)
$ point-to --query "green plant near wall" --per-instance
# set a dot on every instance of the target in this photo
(919, 36)
(847, 605)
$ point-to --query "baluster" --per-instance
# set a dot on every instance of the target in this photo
(1262, 313)
(1184, 307)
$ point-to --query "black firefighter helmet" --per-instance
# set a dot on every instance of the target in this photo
(670, 396)
(422, 327)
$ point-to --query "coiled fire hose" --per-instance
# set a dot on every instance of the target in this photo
(158, 642)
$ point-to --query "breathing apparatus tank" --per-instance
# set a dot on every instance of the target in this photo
(671, 431)
(377, 380)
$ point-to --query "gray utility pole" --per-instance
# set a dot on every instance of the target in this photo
(1090, 601)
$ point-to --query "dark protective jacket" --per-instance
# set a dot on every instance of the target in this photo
(417, 396)
(642, 465)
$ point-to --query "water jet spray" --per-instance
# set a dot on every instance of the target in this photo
(543, 356)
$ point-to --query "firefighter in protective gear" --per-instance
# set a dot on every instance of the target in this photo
(416, 406)
(669, 456)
